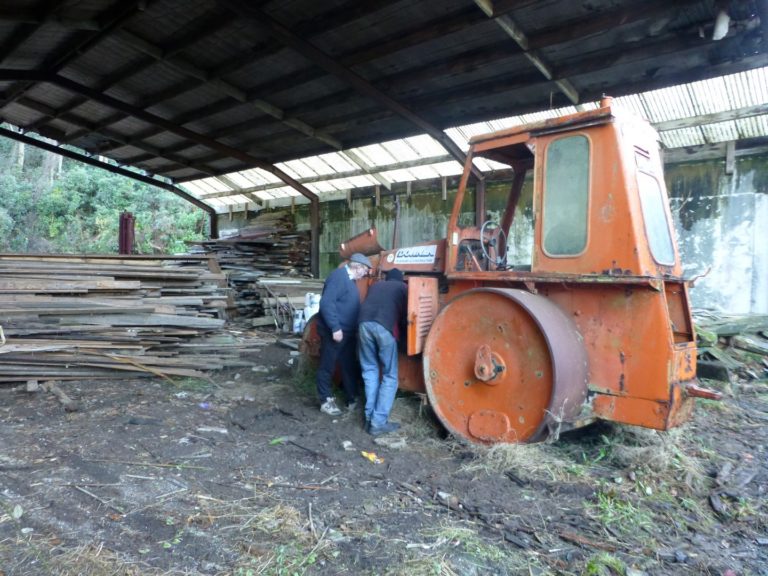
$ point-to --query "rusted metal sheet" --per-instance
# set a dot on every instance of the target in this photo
(422, 309)
(410, 373)
(366, 243)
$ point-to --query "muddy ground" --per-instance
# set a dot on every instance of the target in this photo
(243, 476)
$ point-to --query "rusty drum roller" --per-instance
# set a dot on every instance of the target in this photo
(504, 365)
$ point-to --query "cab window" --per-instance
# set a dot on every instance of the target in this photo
(566, 196)
(655, 218)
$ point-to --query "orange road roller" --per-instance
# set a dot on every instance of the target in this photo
(547, 308)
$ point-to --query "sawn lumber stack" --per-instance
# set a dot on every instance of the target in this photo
(269, 245)
(70, 317)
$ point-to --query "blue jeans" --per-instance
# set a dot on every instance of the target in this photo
(377, 346)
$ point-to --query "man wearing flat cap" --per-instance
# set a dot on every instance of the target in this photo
(337, 328)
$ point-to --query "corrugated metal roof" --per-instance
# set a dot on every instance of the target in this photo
(356, 169)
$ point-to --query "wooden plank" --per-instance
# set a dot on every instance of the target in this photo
(151, 320)
(71, 319)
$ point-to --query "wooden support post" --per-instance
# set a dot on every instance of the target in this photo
(213, 220)
(349, 198)
(377, 195)
(314, 225)
(444, 181)
(408, 189)
(730, 157)
(479, 203)
(293, 204)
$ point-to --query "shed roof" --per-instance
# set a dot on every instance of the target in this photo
(232, 95)
(718, 110)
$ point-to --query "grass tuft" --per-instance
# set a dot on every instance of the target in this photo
(530, 459)
(659, 452)
(604, 564)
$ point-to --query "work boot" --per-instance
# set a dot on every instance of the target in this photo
(330, 408)
(352, 405)
(385, 428)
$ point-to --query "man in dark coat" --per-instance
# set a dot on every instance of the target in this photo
(337, 327)
(382, 321)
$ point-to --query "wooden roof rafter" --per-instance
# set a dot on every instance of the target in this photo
(573, 31)
(208, 24)
(73, 119)
(409, 38)
(82, 41)
(514, 31)
(333, 67)
(336, 18)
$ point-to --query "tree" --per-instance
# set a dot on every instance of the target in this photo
(77, 209)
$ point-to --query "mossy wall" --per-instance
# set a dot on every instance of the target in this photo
(721, 222)
(423, 217)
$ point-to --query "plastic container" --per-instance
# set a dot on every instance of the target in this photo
(312, 307)
(298, 322)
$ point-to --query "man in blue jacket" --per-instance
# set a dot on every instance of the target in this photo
(337, 328)
(382, 322)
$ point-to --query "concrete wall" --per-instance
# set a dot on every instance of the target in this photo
(722, 227)
(721, 222)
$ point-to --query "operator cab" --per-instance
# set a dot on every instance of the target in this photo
(595, 205)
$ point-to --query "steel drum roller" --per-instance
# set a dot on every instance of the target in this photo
(504, 365)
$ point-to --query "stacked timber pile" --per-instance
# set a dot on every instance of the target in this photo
(732, 347)
(103, 317)
(268, 246)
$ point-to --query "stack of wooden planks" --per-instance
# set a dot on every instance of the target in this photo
(90, 317)
(268, 246)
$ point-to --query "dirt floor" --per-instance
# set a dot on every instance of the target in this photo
(244, 476)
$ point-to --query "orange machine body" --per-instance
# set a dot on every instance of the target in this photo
(593, 322)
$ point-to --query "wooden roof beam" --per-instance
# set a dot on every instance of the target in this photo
(225, 87)
(81, 42)
(495, 8)
(333, 19)
(716, 151)
(492, 85)
(714, 118)
(422, 33)
(150, 118)
(205, 25)
(123, 141)
(511, 28)
(597, 61)
(670, 44)
(600, 22)
(337, 175)
(333, 67)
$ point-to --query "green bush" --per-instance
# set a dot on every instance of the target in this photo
(80, 210)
